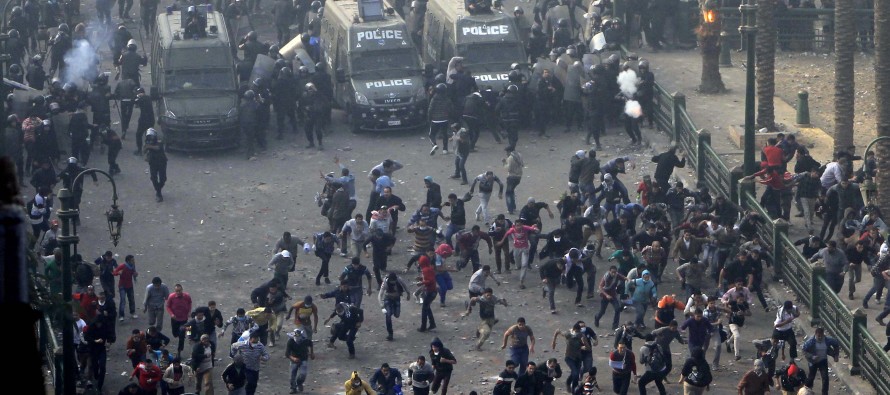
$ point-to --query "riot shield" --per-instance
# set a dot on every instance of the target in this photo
(262, 68)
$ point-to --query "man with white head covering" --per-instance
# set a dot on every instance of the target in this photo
(282, 263)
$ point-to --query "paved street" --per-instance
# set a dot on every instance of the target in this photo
(222, 215)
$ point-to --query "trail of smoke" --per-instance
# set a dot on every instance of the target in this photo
(628, 81)
(81, 62)
(632, 109)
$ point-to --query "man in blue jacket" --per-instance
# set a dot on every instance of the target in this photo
(817, 349)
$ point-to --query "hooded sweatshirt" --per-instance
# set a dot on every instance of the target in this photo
(357, 389)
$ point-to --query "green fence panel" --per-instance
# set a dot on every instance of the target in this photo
(796, 270)
(834, 315)
(874, 363)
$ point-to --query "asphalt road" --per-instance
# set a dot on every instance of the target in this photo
(222, 214)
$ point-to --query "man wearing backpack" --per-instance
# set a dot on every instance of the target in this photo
(653, 357)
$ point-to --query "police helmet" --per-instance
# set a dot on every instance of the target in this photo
(72, 160)
(571, 52)
(56, 84)
(37, 59)
(140, 90)
(69, 87)
(441, 88)
(613, 59)
(249, 94)
(562, 22)
(644, 64)
(625, 66)
(251, 35)
(15, 68)
(518, 10)
(598, 69)
(64, 28)
(16, 11)
(514, 75)
(12, 118)
(102, 79)
(131, 45)
(54, 108)
(303, 70)
(151, 132)
(13, 33)
(39, 100)
(10, 97)
(616, 22)
(315, 6)
(440, 78)
(258, 82)
(319, 67)
(191, 9)
(122, 27)
(515, 66)
(537, 29)
(279, 63)
(285, 72)
(310, 87)
(594, 15)
(512, 88)
(274, 49)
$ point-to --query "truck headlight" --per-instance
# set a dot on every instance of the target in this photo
(170, 118)
(361, 99)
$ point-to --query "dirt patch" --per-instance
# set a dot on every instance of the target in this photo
(815, 73)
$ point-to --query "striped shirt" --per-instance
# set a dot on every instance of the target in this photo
(253, 353)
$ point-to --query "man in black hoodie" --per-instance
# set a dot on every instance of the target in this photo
(665, 164)
(443, 362)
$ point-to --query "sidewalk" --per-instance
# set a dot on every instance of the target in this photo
(680, 71)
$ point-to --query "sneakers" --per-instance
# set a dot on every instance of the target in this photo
(445, 151)
(134, 316)
(121, 319)
(433, 150)
(343, 254)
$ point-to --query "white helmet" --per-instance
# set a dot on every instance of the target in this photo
(151, 132)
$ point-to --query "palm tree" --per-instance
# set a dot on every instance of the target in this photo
(882, 90)
(709, 43)
(844, 93)
(766, 63)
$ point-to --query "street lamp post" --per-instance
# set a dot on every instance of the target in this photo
(68, 241)
(748, 28)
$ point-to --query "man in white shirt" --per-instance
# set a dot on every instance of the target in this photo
(359, 232)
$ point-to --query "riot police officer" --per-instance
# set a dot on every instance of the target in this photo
(322, 81)
(248, 122)
(311, 107)
(473, 114)
(35, 74)
(129, 62)
(562, 36)
(15, 47)
(264, 111)
(79, 129)
(119, 40)
(646, 92)
(251, 47)
(597, 95)
(508, 109)
(99, 98)
(156, 157)
(146, 117)
(125, 93)
(60, 45)
(284, 98)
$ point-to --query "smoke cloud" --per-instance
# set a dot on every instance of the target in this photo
(628, 81)
(632, 108)
(81, 62)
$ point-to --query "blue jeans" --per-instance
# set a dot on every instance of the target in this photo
(450, 230)
(445, 284)
(355, 295)
(616, 305)
(520, 356)
(126, 294)
(878, 285)
(510, 195)
(575, 372)
(253, 377)
(640, 308)
(393, 309)
(460, 167)
(298, 372)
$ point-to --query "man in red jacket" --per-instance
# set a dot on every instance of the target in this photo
(179, 306)
(623, 363)
(149, 375)
(428, 281)
(127, 273)
(89, 302)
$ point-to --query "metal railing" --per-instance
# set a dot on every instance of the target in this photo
(808, 282)
(804, 29)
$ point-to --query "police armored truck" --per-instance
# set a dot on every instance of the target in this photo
(377, 78)
(193, 75)
(489, 42)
